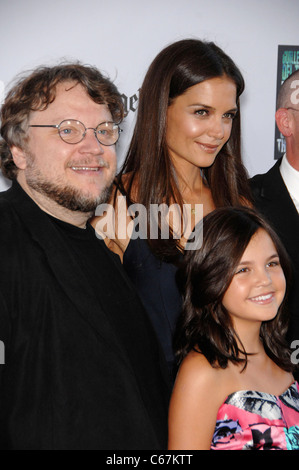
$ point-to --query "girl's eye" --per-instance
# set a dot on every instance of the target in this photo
(273, 264)
(242, 270)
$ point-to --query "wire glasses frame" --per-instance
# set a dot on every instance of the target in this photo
(72, 131)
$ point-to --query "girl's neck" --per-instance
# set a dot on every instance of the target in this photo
(248, 337)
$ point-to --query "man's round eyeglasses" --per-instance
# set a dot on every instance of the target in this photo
(73, 132)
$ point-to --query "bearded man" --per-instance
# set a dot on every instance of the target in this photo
(82, 365)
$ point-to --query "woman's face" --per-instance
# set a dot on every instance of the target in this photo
(199, 123)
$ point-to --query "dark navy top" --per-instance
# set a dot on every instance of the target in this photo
(156, 285)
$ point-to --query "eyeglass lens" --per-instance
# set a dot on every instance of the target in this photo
(73, 132)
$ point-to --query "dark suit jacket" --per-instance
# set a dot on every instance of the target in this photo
(272, 199)
(77, 374)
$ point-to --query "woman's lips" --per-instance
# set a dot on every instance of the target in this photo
(208, 147)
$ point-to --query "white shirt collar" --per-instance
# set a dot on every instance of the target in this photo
(290, 177)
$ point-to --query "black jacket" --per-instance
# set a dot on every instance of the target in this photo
(272, 199)
(77, 374)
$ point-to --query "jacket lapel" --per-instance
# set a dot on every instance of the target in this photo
(280, 205)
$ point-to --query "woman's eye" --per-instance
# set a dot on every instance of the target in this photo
(201, 112)
(229, 115)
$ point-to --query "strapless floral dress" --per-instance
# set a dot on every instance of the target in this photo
(250, 420)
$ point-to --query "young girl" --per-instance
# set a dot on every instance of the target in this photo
(235, 387)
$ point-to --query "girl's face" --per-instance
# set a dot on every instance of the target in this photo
(258, 286)
(199, 123)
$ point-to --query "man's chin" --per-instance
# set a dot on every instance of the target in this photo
(72, 198)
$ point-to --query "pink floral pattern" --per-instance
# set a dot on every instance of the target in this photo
(250, 420)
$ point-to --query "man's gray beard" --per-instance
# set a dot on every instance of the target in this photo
(70, 198)
(66, 196)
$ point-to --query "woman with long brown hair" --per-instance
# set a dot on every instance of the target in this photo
(185, 152)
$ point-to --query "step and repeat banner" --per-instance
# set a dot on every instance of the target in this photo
(122, 37)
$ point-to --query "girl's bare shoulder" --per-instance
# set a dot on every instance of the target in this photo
(197, 371)
(200, 377)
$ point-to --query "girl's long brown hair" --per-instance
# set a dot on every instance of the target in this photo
(204, 277)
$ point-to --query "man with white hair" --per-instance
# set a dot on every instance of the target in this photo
(276, 193)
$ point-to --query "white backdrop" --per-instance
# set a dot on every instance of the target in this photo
(121, 37)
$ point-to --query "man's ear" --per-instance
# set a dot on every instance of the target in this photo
(19, 157)
(283, 122)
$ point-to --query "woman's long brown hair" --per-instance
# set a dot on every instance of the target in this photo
(150, 176)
